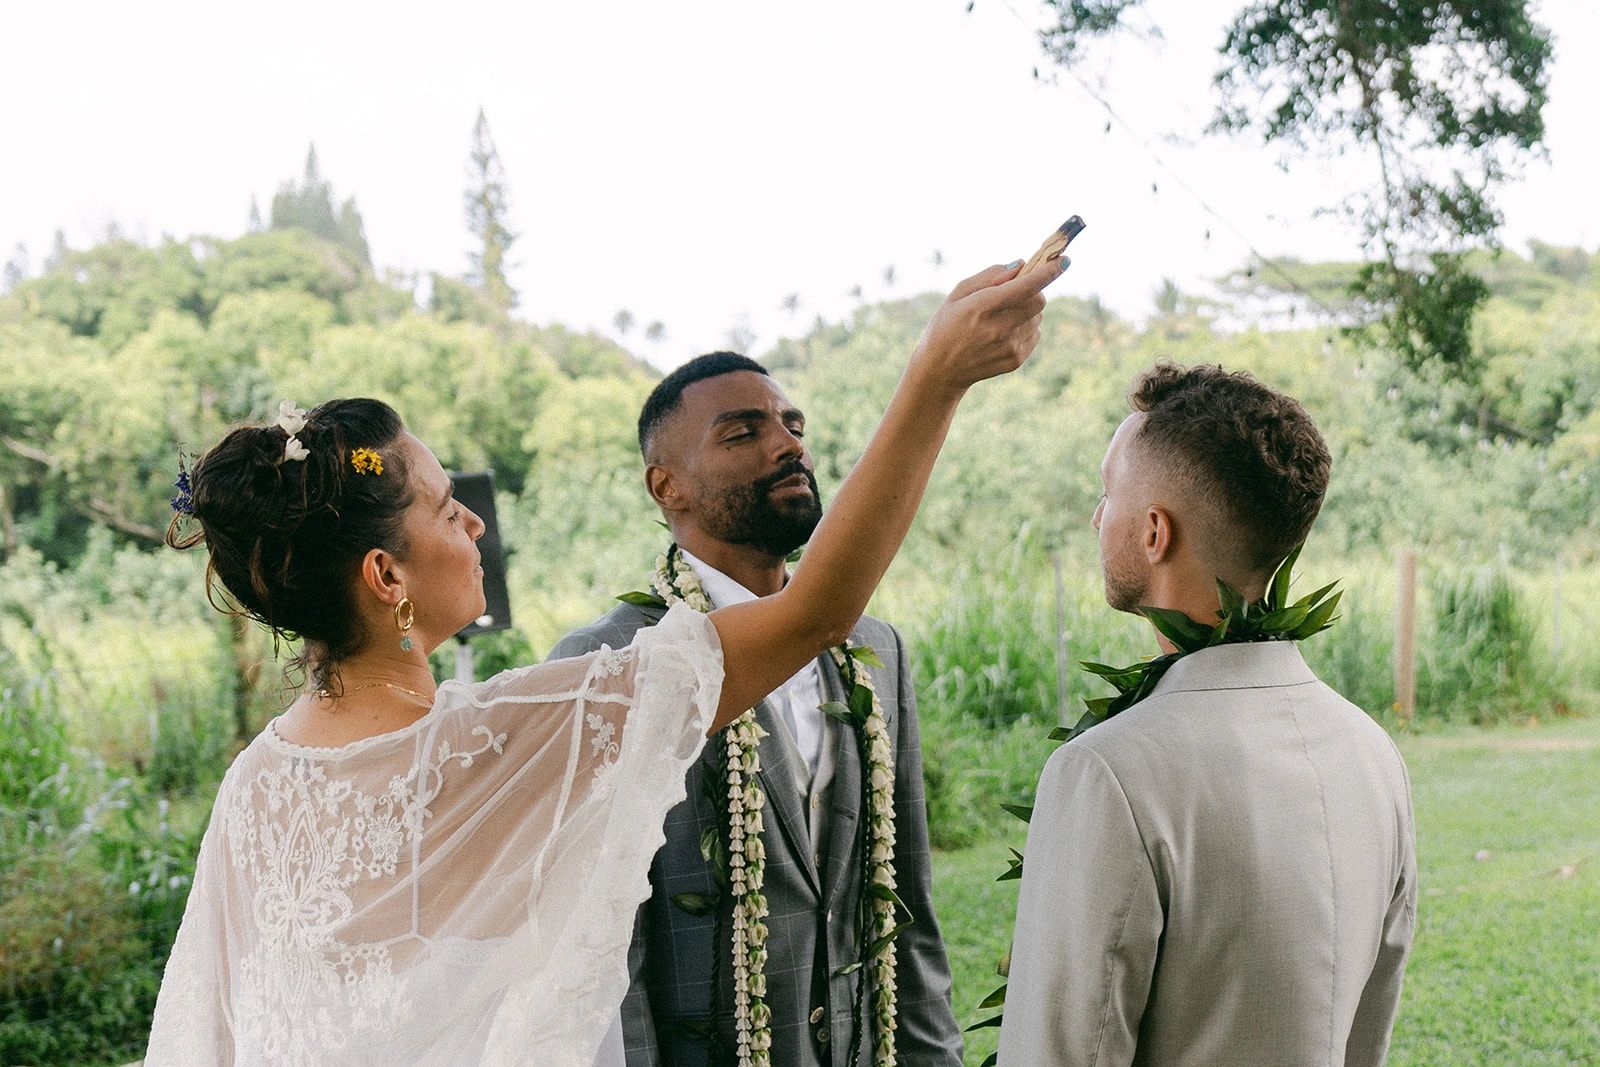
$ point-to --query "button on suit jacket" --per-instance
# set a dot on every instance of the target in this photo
(813, 895)
(1222, 875)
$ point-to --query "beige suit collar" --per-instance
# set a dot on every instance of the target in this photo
(1256, 665)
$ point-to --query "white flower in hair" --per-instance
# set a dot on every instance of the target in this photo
(291, 420)
(294, 450)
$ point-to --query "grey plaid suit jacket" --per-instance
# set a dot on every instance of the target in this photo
(814, 901)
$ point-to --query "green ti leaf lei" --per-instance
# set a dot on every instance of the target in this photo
(1272, 618)
(737, 854)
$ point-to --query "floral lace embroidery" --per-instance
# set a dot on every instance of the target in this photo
(609, 662)
(306, 840)
(603, 745)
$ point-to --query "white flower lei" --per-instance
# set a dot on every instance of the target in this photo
(879, 882)
(747, 855)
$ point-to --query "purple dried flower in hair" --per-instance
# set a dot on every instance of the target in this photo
(183, 503)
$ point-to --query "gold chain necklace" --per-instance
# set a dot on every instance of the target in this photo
(325, 694)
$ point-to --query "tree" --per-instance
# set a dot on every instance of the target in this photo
(888, 276)
(656, 332)
(16, 269)
(352, 234)
(308, 206)
(59, 251)
(623, 321)
(1176, 314)
(488, 208)
(254, 225)
(1443, 98)
(791, 304)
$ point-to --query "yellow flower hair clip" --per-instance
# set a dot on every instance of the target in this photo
(366, 461)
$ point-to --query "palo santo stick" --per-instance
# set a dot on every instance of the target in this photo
(1055, 244)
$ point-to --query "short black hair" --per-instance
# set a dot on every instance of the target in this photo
(664, 398)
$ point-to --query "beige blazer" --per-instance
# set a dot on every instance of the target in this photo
(1222, 875)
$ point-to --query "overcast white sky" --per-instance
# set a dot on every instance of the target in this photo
(693, 162)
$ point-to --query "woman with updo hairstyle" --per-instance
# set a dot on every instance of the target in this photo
(402, 873)
(284, 537)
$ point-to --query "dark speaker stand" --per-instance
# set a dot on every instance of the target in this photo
(475, 489)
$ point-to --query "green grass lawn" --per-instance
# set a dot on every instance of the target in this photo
(1506, 965)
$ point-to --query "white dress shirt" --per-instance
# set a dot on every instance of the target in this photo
(798, 700)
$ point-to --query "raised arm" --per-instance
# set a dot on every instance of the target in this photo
(987, 326)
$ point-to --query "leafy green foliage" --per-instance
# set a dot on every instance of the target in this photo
(1444, 98)
(93, 880)
(1272, 618)
(308, 205)
(488, 206)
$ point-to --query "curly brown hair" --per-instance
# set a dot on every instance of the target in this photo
(1248, 450)
(285, 539)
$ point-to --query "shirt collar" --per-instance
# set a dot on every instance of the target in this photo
(722, 590)
(1249, 665)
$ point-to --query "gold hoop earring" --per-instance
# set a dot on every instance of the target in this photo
(405, 616)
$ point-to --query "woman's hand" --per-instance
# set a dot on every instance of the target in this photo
(987, 326)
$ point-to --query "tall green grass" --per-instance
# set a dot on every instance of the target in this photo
(93, 879)
(984, 660)
(984, 657)
(1480, 664)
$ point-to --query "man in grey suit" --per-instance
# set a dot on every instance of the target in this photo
(1225, 872)
(727, 464)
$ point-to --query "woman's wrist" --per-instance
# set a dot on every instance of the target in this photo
(926, 388)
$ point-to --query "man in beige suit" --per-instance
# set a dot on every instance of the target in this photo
(1224, 874)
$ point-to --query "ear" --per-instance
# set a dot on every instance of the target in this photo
(380, 575)
(1159, 534)
(663, 486)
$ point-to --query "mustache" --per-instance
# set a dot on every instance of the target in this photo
(788, 470)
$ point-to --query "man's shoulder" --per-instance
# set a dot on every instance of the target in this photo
(1226, 725)
(870, 630)
(615, 629)
(885, 640)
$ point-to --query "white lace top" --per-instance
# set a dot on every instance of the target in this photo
(461, 891)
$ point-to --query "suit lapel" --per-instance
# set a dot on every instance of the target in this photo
(844, 805)
(783, 791)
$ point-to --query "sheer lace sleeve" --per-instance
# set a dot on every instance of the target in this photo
(191, 1017)
(461, 891)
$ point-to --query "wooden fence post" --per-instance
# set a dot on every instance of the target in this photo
(1405, 639)
(1555, 621)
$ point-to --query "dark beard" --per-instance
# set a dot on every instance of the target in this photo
(747, 514)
